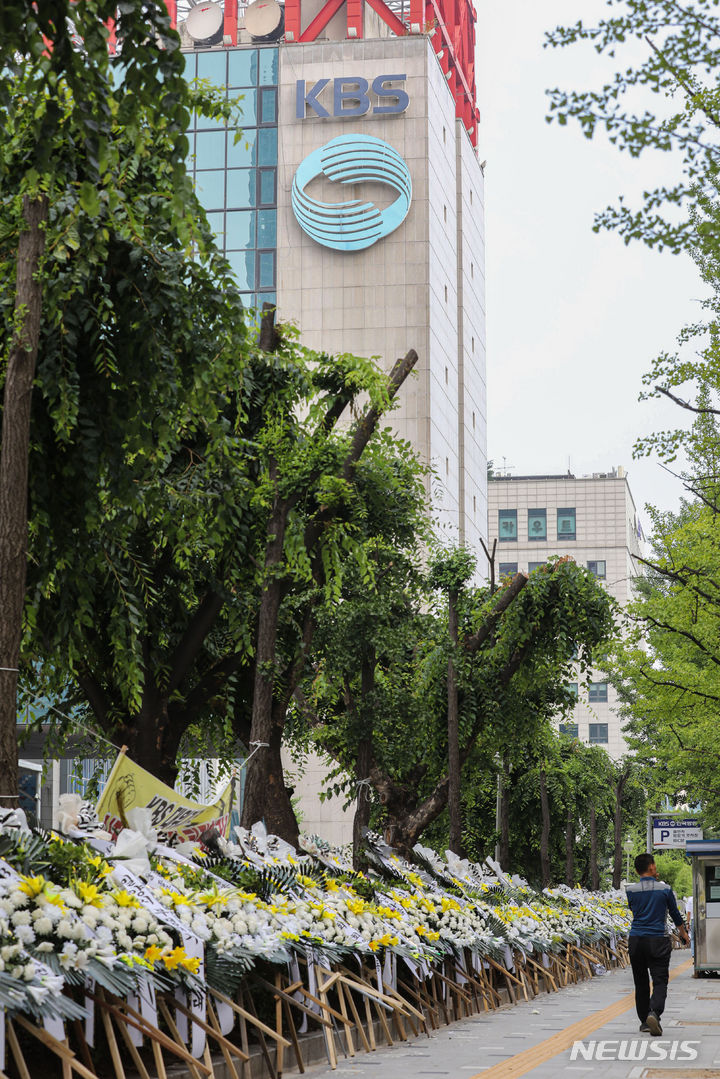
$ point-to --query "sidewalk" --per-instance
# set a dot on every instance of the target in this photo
(534, 1039)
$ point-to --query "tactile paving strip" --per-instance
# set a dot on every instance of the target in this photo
(522, 1063)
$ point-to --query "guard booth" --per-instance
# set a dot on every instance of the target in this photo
(705, 859)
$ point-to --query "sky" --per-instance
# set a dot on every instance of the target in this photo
(574, 318)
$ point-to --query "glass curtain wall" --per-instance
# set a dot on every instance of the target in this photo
(236, 181)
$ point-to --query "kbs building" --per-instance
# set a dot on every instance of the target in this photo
(354, 200)
(594, 520)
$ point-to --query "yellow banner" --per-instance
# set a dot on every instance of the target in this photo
(130, 787)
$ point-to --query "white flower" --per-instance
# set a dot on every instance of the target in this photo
(21, 917)
(24, 934)
(67, 955)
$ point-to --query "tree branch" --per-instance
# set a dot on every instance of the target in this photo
(473, 643)
(675, 685)
(96, 696)
(676, 575)
(368, 422)
(683, 633)
(193, 638)
(686, 404)
(363, 433)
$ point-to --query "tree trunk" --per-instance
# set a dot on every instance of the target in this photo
(265, 788)
(570, 849)
(149, 739)
(14, 457)
(618, 852)
(266, 797)
(504, 822)
(364, 758)
(545, 832)
(453, 732)
(594, 871)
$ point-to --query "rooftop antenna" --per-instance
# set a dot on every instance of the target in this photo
(506, 466)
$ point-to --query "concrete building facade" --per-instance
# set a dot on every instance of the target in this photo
(420, 285)
(594, 520)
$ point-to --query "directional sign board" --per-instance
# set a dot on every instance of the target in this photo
(674, 832)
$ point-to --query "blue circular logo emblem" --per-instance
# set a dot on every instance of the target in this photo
(354, 225)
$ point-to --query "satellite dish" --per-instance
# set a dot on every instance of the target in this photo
(204, 23)
(265, 20)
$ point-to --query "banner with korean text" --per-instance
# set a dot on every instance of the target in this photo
(129, 787)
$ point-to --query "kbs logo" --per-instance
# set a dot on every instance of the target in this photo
(357, 224)
(351, 97)
(635, 1049)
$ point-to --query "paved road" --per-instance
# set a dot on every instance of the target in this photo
(534, 1039)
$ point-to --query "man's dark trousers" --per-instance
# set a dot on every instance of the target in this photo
(650, 954)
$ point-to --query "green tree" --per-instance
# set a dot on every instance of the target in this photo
(669, 49)
(82, 139)
(359, 688)
(668, 668)
(449, 573)
(514, 646)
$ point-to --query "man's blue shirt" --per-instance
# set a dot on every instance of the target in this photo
(650, 901)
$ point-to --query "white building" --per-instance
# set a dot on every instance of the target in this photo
(384, 256)
(594, 520)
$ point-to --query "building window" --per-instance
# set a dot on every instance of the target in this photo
(507, 569)
(234, 167)
(598, 734)
(566, 524)
(537, 524)
(507, 525)
(572, 688)
(597, 568)
(534, 565)
(598, 692)
(570, 729)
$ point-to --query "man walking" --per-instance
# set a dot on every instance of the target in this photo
(650, 901)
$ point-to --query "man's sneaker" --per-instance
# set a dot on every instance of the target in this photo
(653, 1024)
(644, 1028)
